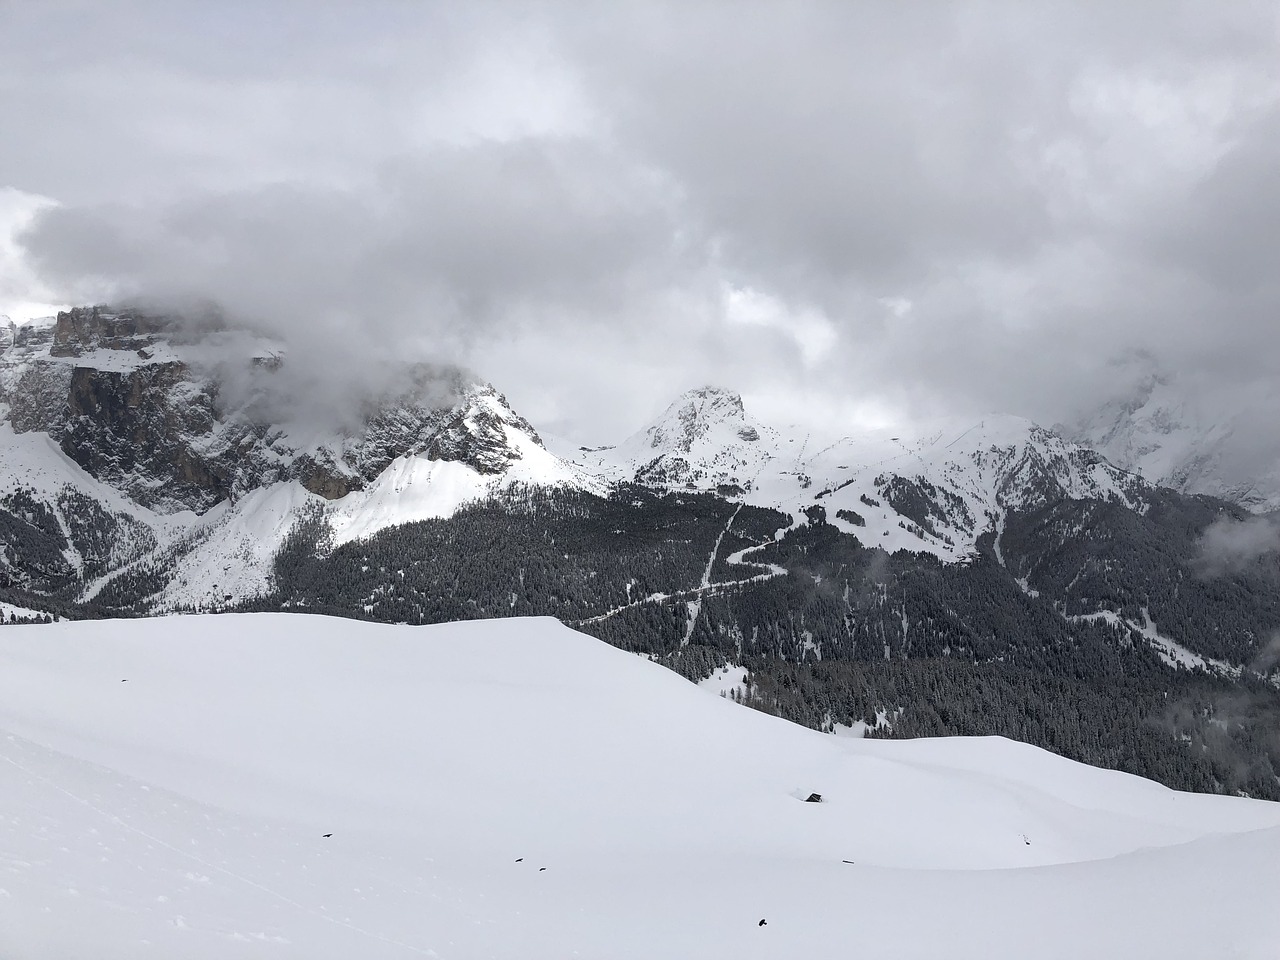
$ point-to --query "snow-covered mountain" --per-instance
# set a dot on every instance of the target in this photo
(137, 444)
(1172, 436)
(287, 786)
(179, 419)
(152, 467)
(705, 440)
(933, 490)
(939, 490)
(132, 442)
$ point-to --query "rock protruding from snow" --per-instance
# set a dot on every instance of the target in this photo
(178, 441)
(143, 404)
(83, 330)
(935, 489)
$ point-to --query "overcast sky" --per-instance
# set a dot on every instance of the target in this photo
(854, 213)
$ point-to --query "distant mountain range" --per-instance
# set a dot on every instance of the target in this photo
(994, 577)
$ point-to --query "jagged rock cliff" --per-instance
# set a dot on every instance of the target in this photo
(123, 397)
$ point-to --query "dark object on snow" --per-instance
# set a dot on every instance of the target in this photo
(813, 798)
(519, 859)
(328, 834)
(540, 869)
(762, 923)
(846, 861)
(124, 681)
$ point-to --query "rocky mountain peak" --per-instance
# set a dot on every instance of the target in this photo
(81, 330)
(136, 402)
(695, 414)
(704, 440)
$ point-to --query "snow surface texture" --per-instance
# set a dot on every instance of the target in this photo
(166, 787)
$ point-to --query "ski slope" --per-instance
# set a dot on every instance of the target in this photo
(166, 786)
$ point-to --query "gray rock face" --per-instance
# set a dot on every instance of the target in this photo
(37, 397)
(141, 431)
(121, 395)
(696, 414)
(83, 329)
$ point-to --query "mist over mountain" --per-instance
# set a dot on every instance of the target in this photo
(1178, 433)
(459, 388)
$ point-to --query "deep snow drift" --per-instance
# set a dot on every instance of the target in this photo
(166, 787)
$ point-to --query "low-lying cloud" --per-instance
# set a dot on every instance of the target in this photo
(424, 263)
(1229, 545)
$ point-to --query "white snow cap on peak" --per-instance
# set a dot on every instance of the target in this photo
(704, 440)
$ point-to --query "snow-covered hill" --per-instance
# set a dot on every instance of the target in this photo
(286, 786)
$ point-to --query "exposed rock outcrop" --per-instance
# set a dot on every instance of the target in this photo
(122, 398)
(83, 329)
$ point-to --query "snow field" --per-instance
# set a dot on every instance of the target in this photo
(165, 786)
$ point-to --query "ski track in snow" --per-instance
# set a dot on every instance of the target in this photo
(695, 606)
(706, 588)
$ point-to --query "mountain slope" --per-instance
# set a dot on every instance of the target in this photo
(1163, 430)
(176, 445)
(184, 812)
(939, 490)
(1034, 589)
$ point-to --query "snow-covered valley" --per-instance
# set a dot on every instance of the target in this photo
(516, 789)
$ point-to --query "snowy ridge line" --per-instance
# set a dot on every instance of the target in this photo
(218, 868)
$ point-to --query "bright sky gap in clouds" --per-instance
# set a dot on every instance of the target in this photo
(854, 213)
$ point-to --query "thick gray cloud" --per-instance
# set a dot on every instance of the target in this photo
(849, 211)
